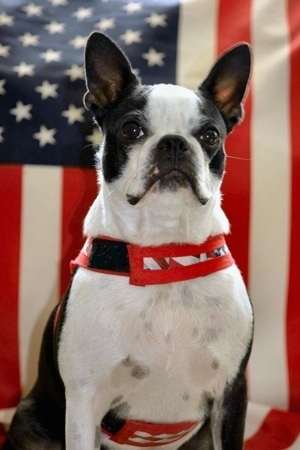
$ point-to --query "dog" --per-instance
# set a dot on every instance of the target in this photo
(148, 347)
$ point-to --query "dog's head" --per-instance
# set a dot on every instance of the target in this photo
(163, 139)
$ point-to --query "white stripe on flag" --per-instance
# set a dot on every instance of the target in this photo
(270, 202)
(196, 41)
(256, 415)
(39, 265)
(6, 415)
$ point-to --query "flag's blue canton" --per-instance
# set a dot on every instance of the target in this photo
(42, 118)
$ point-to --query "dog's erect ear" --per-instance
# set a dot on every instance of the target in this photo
(227, 82)
(107, 71)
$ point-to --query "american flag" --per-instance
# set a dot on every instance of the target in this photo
(47, 183)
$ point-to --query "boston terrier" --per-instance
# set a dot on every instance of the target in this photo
(148, 348)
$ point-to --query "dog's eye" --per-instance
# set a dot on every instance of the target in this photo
(132, 130)
(210, 137)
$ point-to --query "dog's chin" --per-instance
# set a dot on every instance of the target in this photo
(169, 182)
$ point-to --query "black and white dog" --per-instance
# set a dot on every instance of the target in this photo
(149, 346)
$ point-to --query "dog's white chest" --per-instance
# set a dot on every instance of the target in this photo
(157, 354)
(169, 367)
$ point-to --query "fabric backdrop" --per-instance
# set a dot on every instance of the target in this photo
(47, 181)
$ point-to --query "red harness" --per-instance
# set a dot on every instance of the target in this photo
(143, 434)
(144, 266)
(154, 265)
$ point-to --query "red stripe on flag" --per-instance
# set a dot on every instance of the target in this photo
(279, 431)
(293, 307)
(234, 27)
(79, 191)
(10, 231)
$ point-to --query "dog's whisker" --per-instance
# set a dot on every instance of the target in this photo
(94, 146)
(109, 193)
(237, 157)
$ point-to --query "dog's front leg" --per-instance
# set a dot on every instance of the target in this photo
(81, 424)
(228, 416)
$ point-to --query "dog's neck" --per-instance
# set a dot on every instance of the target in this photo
(155, 222)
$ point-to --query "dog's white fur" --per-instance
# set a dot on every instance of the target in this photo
(187, 336)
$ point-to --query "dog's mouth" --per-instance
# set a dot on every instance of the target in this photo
(170, 181)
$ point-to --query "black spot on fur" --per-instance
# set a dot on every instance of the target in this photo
(137, 371)
(128, 362)
(117, 400)
(215, 364)
(140, 372)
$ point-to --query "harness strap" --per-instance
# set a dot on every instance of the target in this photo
(143, 434)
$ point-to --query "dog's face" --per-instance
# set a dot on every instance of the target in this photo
(164, 142)
(163, 139)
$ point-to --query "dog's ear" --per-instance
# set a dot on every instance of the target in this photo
(227, 82)
(107, 71)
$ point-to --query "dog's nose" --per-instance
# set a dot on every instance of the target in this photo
(174, 147)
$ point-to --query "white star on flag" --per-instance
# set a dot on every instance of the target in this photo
(51, 55)
(130, 37)
(73, 114)
(33, 10)
(132, 7)
(4, 50)
(55, 27)
(45, 136)
(106, 24)
(28, 39)
(47, 89)
(83, 13)
(95, 138)
(24, 69)
(78, 41)
(21, 111)
(7, 20)
(2, 90)
(157, 20)
(1, 131)
(75, 72)
(154, 58)
(59, 2)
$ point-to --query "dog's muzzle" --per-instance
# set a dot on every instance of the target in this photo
(172, 167)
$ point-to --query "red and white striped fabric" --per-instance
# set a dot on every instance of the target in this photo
(43, 208)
